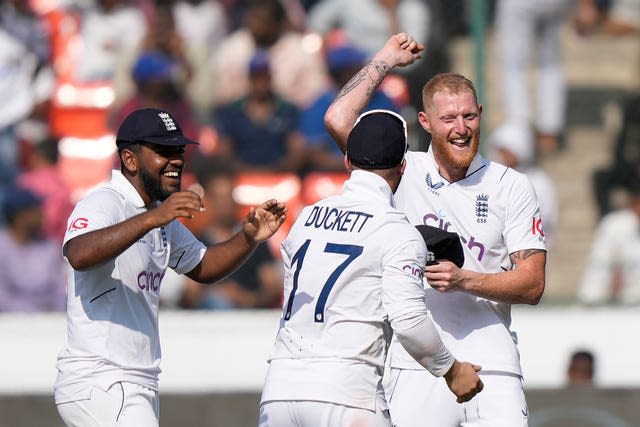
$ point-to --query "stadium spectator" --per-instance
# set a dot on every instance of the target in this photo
(201, 24)
(31, 270)
(343, 61)
(612, 273)
(111, 32)
(258, 282)
(624, 169)
(42, 177)
(299, 73)
(522, 28)
(26, 79)
(162, 36)
(367, 24)
(615, 17)
(581, 369)
(511, 144)
(260, 132)
(19, 20)
(157, 85)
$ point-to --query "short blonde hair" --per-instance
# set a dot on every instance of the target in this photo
(447, 82)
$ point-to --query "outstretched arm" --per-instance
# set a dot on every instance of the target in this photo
(399, 50)
(222, 259)
(99, 246)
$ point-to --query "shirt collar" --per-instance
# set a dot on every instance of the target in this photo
(368, 185)
(122, 184)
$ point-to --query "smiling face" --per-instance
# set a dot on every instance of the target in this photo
(453, 120)
(155, 170)
(452, 116)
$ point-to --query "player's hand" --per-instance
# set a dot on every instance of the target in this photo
(263, 221)
(181, 204)
(444, 276)
(463, 380)
(400, 50)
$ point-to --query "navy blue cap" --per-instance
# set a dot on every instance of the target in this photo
(345, 57)
(153, 126)
(442, 244)
(153, 66)
(16, 200)
(259, 62)
(378, 140)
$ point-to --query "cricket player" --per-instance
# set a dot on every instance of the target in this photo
(120, 241)
(353, 275)
(495, 212)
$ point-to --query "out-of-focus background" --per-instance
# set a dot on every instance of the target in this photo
(250, 80)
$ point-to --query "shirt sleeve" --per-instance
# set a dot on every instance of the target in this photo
(523, 224)
(98, 210)
(403, 299)
(186, 250)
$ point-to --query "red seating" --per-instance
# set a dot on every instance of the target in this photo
(85, 163)
(318, 185)
(78, 109)
(254, 188)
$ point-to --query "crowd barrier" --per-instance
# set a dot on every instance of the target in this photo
(214, 364)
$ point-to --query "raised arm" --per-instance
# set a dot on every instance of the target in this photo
(222, 259)
(399, 50)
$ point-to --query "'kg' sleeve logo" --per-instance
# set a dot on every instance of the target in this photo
(78, 224)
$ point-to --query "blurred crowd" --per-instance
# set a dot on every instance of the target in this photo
(250, 80)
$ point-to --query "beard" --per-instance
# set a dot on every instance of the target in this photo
(456, 159)
(153, 187)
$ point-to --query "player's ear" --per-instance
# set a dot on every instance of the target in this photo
(347, 163)
(129, 160)
(424, 121)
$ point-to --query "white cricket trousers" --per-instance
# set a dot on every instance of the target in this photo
(123, 405)
(524, 28)
(418, 399)
(319, 414)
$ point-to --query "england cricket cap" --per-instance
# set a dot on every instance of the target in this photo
(378, 140)
(442, 244)
(150, 125)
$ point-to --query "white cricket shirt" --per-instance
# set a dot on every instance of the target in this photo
(615, 249)
(495, 212)
(353, 267)
(112, 309)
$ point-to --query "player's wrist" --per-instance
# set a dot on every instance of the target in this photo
(452, 371)
(249, 237)
(383, 62)
(150, 220)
